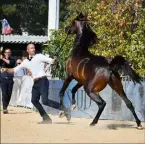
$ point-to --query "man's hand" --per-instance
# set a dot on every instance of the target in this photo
(29, 73)
(55, 59)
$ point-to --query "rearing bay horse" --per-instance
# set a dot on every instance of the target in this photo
(94, 72)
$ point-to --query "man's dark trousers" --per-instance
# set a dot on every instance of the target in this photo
(6, 87)
(40, 88)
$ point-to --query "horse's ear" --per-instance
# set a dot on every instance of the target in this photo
(81, 15)
(86, 15)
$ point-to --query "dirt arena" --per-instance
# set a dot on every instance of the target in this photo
(20, 126)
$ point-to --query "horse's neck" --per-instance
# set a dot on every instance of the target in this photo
(80, 45)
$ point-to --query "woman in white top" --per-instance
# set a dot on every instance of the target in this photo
(20, 72)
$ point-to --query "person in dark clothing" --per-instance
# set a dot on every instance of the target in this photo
(6, 79)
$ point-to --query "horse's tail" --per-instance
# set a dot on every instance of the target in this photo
(119, 63)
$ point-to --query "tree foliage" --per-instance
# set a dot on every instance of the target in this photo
(27, 15)
(55, 48)
(120, 27)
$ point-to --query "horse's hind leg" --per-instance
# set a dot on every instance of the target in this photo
(74, 90)
(116, 85)
(101, 104)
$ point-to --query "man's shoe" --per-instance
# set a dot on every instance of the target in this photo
(49, 121)
(46, 120)
(5, 112)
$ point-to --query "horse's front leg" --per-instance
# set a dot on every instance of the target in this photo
(61, 94)
(74, 90)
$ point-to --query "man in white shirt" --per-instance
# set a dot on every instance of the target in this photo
(35, 64)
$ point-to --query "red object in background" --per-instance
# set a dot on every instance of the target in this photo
(6, 29)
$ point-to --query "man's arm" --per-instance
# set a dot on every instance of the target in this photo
(6, 61)
(9, 70)
(13, 70)
(47, 59)
(10, 62)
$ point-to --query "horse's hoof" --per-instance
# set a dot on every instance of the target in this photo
(74, 107)
(139, 127)
(92, 124)
(61, 114)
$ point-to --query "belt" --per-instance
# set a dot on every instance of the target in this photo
(37, 79)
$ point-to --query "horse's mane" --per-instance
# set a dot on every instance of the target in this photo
(82, 43)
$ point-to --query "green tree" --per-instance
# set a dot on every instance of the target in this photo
(29, 15)
(119, 25)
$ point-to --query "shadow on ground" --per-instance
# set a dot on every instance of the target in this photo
(19, 112)
(65, 123)
(116, 126)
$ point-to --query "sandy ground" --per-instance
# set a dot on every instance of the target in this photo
(20, 126)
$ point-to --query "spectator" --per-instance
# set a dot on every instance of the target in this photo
(21, 72)
(6, 78)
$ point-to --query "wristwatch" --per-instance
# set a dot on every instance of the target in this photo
(3, 69)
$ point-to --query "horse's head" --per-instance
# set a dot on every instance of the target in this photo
(76, 25)
(80, 25)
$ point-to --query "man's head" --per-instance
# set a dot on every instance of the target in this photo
(31, 49)
(7, 53)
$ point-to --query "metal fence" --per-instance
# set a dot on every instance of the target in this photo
(115, 108)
